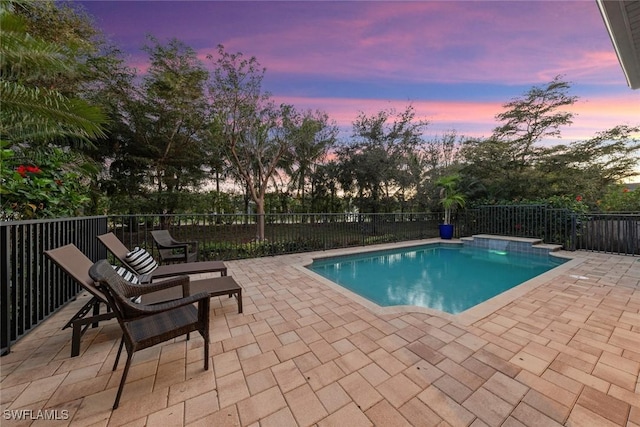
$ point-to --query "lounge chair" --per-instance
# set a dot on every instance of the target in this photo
(172, 250)
(72, 261)
(120, 251)
(75, 263)
(144, 326)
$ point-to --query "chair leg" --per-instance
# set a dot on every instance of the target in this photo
(206, 352)
(96, 312)
(124, 378)
(80, 326)
(115, 365)
(75, 339)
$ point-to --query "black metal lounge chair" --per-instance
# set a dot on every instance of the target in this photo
(120, 251)
(172, 250)
(143, 325)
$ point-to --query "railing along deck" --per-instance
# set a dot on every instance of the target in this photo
(32, 288)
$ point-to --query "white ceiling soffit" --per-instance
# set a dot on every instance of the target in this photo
(622, 19)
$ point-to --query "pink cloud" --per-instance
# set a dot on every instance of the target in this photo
(503, 43)
(603, 112)
(476, 119)
(500, 42)
(588, 67)
(473, 119)
(435, 41)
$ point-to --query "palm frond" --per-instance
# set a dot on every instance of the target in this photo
(42, 114)
(22, 56)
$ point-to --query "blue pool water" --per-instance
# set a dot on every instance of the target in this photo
(450, 279)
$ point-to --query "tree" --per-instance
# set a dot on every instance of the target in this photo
(377, 163)
(38, 178)
(441, 152)
(68, 26)
(451, 197)
(312, 138)
(176, 106)
(440, 157)
(257, 134)
(489, 161)
(506, 162)
(513, 165)
(32, 114)
(216, 156)
(591, 167)
(325, 186)
(160, 139)
(536, 115)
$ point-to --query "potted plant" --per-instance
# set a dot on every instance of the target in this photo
(451, 198)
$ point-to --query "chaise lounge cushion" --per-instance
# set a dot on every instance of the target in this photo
(126, 274)
(141, 261)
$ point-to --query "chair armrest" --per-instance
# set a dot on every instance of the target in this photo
(193, 247)
(146, 288)
(169, 305)
(174, 245)
(177, 243)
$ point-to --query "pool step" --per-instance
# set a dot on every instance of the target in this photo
(549, 246)
(511, 244)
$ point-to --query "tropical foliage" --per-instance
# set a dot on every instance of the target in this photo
(52, 187)
(32, 113)
(380, 165)
(620, 198)
(451, 196)
(188, 135)
(37, 178)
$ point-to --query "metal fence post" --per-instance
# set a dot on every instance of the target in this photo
(574, 231)
(5, 292)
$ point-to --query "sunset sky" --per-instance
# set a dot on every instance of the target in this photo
(456, 62)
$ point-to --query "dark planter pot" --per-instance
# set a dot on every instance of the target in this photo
(446, 231)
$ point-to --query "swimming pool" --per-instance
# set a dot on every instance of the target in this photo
(443, 277)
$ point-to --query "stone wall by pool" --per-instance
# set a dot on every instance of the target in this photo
(510, 244)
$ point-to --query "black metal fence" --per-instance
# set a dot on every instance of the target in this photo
(32, 288)
(617, 233)
(227, 237)
(558, 226)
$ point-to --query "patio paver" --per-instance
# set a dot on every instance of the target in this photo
(563, 350)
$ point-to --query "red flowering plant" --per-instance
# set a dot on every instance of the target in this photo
(575, 204)
(45, 190)
(620, 198)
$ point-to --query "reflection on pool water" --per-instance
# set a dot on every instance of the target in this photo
(442, 277)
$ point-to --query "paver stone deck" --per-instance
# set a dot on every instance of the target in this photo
(561, 350)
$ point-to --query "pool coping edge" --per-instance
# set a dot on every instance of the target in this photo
(465, 318)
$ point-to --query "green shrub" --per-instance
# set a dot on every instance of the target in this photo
(53, 188)
(620, 199)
